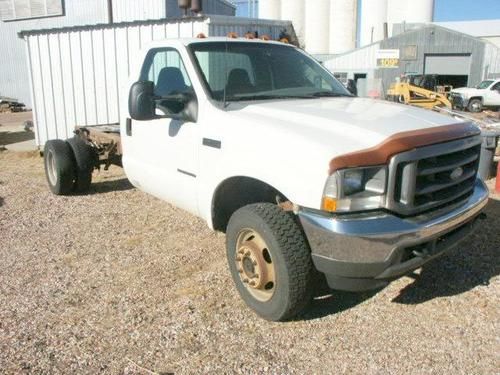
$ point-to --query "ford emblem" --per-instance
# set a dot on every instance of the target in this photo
(457, 173)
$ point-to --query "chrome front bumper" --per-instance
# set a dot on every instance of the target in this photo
(365, 251)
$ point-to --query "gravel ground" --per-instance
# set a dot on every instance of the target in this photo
(119, 282)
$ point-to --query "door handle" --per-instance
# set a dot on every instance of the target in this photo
(128, 127)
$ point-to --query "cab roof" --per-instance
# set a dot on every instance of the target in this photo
(188, 41)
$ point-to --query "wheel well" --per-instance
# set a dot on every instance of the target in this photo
(476, 97)
(236, 192)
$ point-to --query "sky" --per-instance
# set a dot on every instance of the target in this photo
(466, 10)
(445, 10)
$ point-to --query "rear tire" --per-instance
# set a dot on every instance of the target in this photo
(84, 163)
(475, 105)
(59, 166)
(266, 247)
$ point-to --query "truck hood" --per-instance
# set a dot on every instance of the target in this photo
(339, 125)
(289, 144)
(467, 91)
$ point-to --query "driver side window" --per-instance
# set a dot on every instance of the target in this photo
(164, 67)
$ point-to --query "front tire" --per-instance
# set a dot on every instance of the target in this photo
(59, 166)
(269, 260)
(475, 105)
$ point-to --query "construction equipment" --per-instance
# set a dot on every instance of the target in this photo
(10, 105)
(408, 93)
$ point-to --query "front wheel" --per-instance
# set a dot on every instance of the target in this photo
(475, 105)
(269, 260)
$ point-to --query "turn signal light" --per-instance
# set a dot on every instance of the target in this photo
(329, 204)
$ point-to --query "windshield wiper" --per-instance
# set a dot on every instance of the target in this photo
(267, 97)
(329, 94)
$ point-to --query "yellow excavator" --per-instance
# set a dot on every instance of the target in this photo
(406, 91)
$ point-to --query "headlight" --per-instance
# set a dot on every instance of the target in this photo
(355, 189)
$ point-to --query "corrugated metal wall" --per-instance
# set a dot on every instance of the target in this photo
(491, 65)
(361, 60)
(13, 67)
(433, 40)
(428, 40)
(77, 72)
(221, 7)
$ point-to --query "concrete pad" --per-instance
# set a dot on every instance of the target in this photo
(13, 137)
(28, 145)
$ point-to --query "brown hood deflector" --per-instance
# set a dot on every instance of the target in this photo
(404, 141)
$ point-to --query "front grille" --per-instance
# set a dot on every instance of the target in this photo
(432, 176)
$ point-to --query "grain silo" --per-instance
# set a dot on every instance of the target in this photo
(317, 27)
(294, 10)
(270, 9)
(343, 25)
(409, 11)
(420, 11)
(373, 18)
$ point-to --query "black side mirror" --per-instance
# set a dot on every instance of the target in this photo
(142, 104)
(141, 101)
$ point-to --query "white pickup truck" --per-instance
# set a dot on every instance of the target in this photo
(263, 143)
(474, 99)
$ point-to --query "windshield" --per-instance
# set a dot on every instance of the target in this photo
(484, 84)
(245, 71)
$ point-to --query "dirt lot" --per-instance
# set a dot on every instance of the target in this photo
(119, 282)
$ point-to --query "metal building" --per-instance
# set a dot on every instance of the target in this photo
(458, 59)
(78, 73)
(18, 15)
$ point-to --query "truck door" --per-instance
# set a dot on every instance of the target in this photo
(492, 96)
(161, 155)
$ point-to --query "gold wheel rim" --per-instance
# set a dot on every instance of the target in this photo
(255, 265)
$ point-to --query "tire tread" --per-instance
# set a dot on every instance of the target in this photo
(295, 251)
(65, 166)
(84, 163)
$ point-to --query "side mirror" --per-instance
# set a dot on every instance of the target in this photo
(141, 101)
(142, 104)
